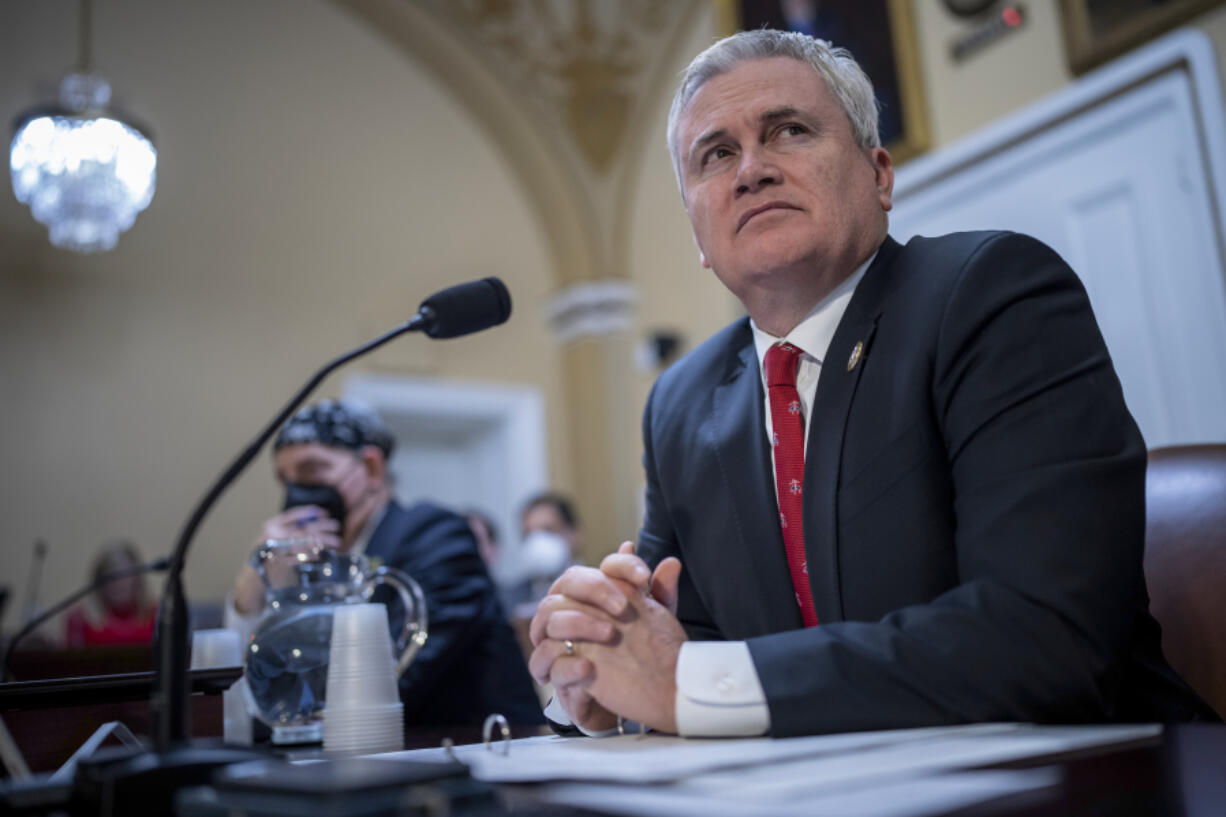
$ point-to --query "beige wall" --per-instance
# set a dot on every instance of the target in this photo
(1017, 70)
(315, 183)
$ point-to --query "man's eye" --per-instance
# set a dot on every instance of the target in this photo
(794, 130)
(717, 153)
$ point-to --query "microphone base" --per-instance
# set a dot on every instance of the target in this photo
(138, 782)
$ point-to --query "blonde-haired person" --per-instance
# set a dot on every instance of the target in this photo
(121, 611)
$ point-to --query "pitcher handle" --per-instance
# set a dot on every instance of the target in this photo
(416, 620)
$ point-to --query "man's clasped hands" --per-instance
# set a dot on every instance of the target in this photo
(608, 639)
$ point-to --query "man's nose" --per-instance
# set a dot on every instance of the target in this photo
(756, 171)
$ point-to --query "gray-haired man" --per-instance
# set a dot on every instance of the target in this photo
(904, 491)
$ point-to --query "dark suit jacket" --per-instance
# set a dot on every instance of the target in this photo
(471, 664)
(974, 505)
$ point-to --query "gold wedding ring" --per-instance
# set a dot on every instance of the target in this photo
(570, 646)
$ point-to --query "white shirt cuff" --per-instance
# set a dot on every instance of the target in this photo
(718, 691)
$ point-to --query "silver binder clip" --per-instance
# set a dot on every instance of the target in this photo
(504, 729)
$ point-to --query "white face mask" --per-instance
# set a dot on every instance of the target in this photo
(542, 554)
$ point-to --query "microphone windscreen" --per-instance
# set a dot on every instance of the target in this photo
(466, 308)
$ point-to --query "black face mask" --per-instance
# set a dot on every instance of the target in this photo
(322, 496)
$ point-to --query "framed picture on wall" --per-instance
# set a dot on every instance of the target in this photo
(880, 34)
(1099, 30)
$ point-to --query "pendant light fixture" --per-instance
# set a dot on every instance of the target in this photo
(84, 172)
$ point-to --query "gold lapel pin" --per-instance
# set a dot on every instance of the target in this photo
(856, 353)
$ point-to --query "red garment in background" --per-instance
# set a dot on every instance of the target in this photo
(82, 630)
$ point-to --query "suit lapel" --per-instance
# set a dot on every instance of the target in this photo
(836, 387)
(735, 428)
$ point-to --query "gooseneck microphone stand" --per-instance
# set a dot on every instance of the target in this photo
(144, 782)
(171, 650)
(62, 605)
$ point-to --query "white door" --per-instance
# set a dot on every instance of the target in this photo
(462, 445)
(1120, 174)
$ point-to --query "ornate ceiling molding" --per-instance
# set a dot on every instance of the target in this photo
(583, 63)
(565, 90)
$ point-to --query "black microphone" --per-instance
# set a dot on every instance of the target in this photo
(145, 781)
(105, 579)
(465, 308)
(454, 311)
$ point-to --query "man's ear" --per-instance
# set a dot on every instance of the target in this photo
(883, 170)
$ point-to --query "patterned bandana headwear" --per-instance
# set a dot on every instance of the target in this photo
(337, 424)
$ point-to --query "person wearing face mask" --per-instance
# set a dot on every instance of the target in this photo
(331, 457)
(551, 537)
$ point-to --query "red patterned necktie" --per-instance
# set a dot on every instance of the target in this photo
(789, 443)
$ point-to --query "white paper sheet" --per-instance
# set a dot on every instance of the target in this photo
(904, 797)
(776, 764)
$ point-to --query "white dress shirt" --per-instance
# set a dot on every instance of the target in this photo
(718, 690)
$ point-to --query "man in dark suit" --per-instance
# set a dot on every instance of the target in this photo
(332, 459)
(905, 491)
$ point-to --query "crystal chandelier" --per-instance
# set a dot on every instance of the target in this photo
(84, 173)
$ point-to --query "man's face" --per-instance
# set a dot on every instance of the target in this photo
(778, 192)
(318, 464)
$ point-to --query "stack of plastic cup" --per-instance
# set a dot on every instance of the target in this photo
(221, 648)
(362, 709)
(216, 648)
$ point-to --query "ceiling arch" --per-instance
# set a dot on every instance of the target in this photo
(564, 89)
